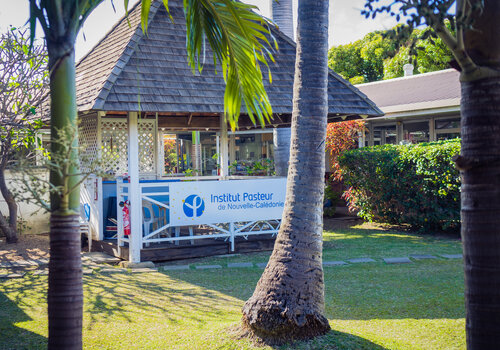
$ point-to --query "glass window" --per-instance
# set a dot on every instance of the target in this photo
(416, 132)
(384, 134)
(447, 136)
(453, 123)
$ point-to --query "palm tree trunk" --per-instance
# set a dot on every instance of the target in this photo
(288, 302)
(480, 165)
(65, 293)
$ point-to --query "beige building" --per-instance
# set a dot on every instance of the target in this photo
(417, 108)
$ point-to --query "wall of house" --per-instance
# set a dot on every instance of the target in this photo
(34, 219)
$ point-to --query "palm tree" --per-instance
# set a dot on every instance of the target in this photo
(288, 302)
(476, 48)
(237, 37)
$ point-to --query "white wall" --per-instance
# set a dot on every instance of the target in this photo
(36, 219)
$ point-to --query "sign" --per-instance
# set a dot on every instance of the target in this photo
(211, 202)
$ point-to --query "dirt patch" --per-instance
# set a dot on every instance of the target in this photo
(35, 246)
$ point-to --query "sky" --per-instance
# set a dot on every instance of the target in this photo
(345, 21)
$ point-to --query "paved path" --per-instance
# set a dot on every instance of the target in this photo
(100, 264)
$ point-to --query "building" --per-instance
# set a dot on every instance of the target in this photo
(417, 108)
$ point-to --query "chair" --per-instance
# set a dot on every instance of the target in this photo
(151, 221)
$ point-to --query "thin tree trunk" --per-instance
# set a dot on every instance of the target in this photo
(9, 228)
(288, 302)
(65, 293)
(480, 165)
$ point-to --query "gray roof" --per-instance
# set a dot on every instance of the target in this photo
(127, 66)
(433, 90)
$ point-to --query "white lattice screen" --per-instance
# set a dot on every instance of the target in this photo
(87, 138)
(115, 144)
(147, 139)
(114, 138)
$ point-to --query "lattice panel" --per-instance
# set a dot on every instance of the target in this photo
(114, 138)
(115, 144)
(87, 139)
(147, 139)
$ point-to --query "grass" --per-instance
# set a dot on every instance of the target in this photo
(370, 306)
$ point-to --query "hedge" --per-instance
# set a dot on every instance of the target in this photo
(417, 185)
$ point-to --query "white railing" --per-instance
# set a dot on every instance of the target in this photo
(157, 228)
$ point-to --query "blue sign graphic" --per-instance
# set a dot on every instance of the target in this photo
(193, 206)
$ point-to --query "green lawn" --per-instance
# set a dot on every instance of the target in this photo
(370, 306)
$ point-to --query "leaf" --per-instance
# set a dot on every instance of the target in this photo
(145, 7)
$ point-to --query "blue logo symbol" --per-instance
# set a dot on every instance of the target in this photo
(193, 206)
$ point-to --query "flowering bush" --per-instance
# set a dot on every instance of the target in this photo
(417, 185)
(341, 137)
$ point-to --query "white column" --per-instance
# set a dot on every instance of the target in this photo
(224, 152)
(135, 243)
(232, 148)
(99, 203)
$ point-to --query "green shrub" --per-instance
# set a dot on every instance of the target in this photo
(417, 185)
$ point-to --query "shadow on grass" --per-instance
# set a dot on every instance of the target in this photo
(366, 237)
(373, 291)
(335, 340)
(12, 336)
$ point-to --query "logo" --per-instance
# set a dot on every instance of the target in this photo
(193, 206)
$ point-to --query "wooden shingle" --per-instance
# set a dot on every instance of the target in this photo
(127, 63)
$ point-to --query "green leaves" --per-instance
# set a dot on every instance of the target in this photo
(238, 38)
(415, 185)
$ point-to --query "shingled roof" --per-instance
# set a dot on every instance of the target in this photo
(127, 66)
(440, 89)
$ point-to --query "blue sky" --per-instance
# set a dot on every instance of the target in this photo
(346, 22)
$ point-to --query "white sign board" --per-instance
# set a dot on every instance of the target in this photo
(211, 202)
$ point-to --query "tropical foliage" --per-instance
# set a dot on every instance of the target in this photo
(341, 137)
(417, 185)
(382, 54)
(23, 82)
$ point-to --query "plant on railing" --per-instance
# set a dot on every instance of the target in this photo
(263, 167)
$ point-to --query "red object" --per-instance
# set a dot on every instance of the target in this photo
(126, 218)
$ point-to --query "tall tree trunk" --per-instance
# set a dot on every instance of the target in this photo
(65, 293)
(9, 228)
(480, 165)
(288, 302)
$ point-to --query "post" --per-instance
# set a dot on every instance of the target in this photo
(224, 153)
(134, 191)
(232, 148)
(100, 210)
(231, 231)
(119, 212)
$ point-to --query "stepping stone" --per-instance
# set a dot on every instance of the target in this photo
(113, 270)
(422, 256)
(334, 263)
(206, 267)
(144, 269)
(23, 263)
(175, 267)
(41, 272)
(5, 264)
(87, 271)
(361, 260)
(41, 262)
(261, 265)
(452, 256)
(101, 258)
(240, 264)
(12, 275)
(402, 260)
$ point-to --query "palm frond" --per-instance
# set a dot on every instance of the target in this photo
(239, 39)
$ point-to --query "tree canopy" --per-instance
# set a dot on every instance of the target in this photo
(381, 55)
